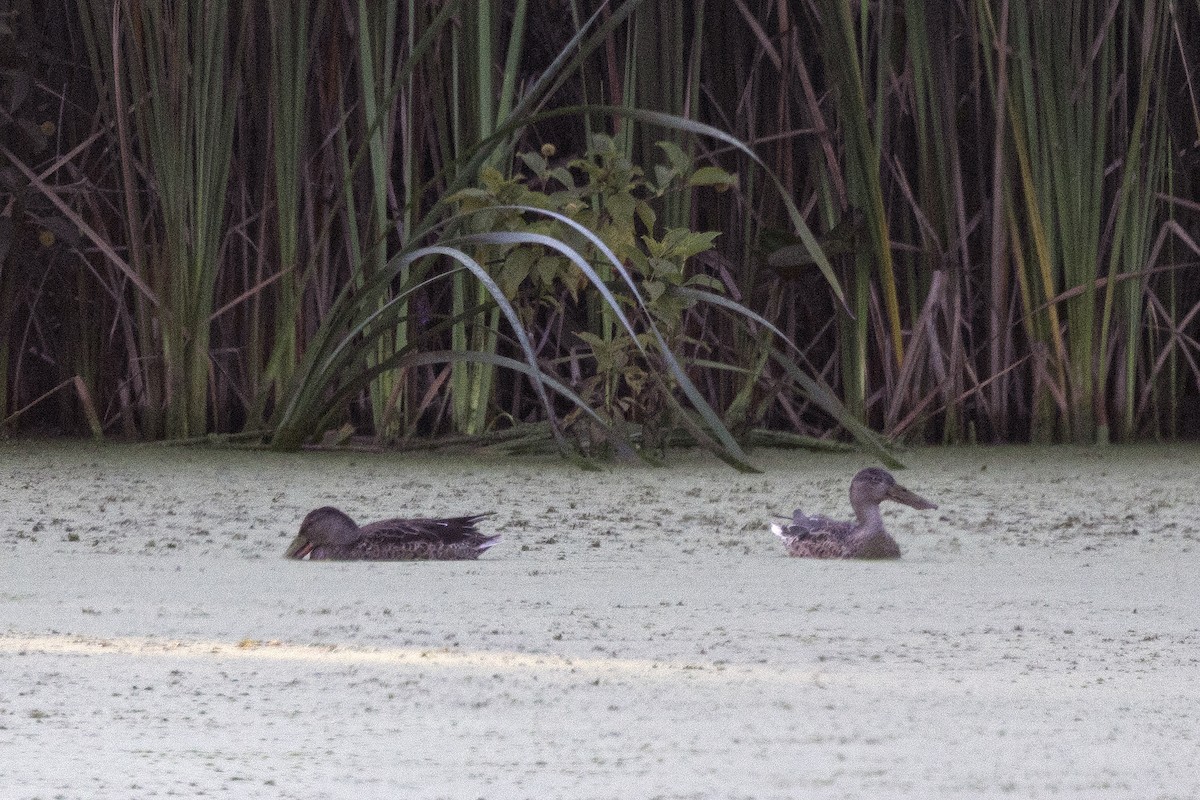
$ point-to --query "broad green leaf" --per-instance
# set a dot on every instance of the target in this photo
(709, 281)
(663, 175)
(547, 268)
(515, 270)
(492, 179)
(680, 161)
(563, 176)
(712, 176)
(692, 243)
(535, 162)
(665, 269)
(646, 214)
(470, 193)
(621, 206)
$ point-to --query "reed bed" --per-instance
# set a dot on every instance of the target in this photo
(601, 226)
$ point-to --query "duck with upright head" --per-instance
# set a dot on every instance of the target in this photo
(821, 537)
(329, 534)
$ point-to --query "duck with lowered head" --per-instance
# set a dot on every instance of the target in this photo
(329, 533)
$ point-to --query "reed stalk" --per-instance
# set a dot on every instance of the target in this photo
(846, 46)
(287, 97)
(1144, 165)
(483, 100)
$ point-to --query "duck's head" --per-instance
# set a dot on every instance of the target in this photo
(323, 527)
(873, 485)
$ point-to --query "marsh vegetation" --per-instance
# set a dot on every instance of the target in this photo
(599, 223)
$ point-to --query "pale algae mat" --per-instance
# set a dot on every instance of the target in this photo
(638, 634)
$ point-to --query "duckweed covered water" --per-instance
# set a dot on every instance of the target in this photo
(638, 633)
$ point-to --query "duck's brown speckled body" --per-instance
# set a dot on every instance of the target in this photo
(330, 534)
(821, 537)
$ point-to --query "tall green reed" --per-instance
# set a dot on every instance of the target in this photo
(288, 79)
(1144, 165)
(175, 69)
(847, 49)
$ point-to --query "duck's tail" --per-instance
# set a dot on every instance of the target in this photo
(490, 541)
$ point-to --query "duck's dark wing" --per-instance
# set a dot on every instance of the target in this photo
(814, 537)
(451, 538)
(448, 530)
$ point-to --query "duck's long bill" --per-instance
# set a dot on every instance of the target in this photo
(909, 498)
(299, 548)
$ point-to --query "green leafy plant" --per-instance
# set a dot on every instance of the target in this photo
(603, 192)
